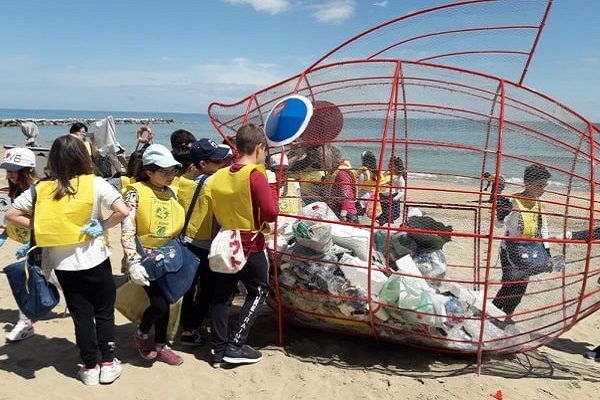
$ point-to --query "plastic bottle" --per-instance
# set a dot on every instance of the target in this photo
(316, 212)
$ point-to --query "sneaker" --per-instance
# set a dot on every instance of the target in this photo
(22, 330)
(192, 338)
(89, 376)
(146, 347)
(165, 354)
(593, 354)
(216, 359)
(241, 355)
(110, 371)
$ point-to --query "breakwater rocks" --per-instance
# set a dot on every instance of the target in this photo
(87, 121)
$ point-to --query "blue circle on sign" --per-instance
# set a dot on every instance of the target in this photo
(287, 120)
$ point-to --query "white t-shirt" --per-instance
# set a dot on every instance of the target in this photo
(81, 256)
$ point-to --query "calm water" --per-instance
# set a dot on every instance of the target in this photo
(198, 124)
(457, 163)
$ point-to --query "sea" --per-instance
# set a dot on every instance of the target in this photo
(458, 165)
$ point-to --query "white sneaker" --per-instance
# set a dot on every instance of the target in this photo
(109, 373)
(89, 376)
(22, 330)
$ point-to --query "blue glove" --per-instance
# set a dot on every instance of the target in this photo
(22, 251)
(94, 228)
(3, 238)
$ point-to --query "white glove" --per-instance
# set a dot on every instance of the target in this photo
(138, 274)
(271, 176)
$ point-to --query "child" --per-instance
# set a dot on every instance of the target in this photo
(155, 218)
(19, 164)
(490, 179)
(68, 225)
(207, 157)
(242, 187)
(393, 183)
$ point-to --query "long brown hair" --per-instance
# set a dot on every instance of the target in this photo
(25, 178)
(68, 158)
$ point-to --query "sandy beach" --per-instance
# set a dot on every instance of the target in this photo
(308, 364)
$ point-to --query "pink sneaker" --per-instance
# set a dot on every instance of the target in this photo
(165, 354)
(146, 347)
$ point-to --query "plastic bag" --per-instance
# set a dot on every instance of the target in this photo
(316, 237)
(226, 254)
(432, 264)
(132, 301)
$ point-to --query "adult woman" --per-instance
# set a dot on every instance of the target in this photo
(523, 216)
(155, 217)
(67, 222)
(19, 164)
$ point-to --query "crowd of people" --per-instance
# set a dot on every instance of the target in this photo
(188, 193)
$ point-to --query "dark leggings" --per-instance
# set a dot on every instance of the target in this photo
(90, 296)
(156, 314)
(254, 276)
(196, 302)
(390, 209)
(510, 294)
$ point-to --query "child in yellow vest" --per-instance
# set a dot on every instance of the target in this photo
(69, 226)
(155, 218)
(240, 198)
(206, 157)
(522, 216)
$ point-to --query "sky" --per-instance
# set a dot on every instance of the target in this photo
(181, 55)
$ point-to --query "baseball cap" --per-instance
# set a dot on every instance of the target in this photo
(206, 149)
(159, 155)
(18, 158)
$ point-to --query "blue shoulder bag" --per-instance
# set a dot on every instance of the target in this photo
(34, 295)
(173, 266)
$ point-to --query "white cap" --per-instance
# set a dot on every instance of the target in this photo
(159, 155)
(18, 158)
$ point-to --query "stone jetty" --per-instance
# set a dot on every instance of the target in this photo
(87, 121)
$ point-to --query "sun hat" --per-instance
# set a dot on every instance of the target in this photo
(206, 149)
(159, 155)
(18, 158)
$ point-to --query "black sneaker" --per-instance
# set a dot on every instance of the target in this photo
(241, 355)
(192, 338)
(215, 359)
(593, 354)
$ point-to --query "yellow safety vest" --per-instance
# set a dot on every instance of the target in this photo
(184, 188)
(88, 147)
(231, 198)
(530, 217)
(371, 181)
(291, 203)
(310, 181)
(59, 222)
(159, 216)
(21, 235)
